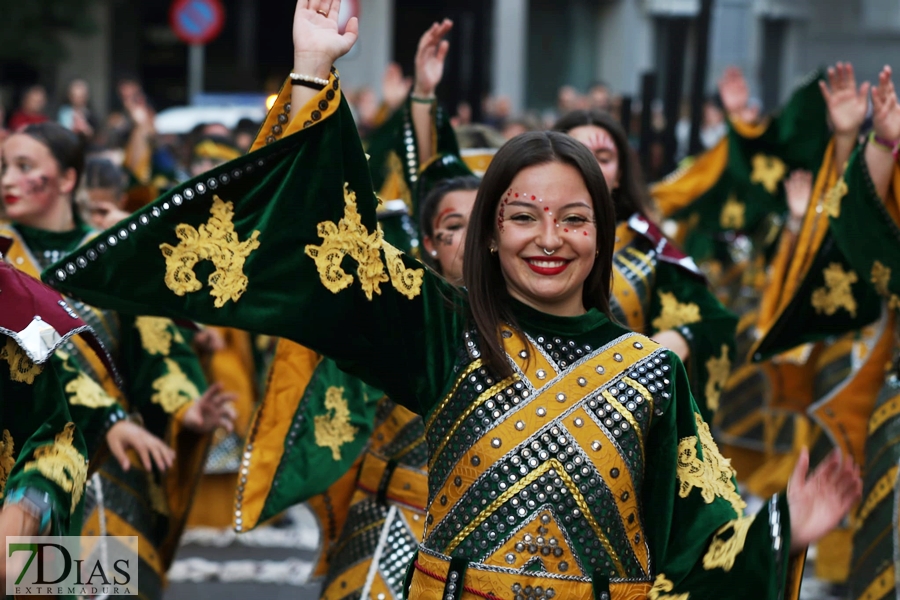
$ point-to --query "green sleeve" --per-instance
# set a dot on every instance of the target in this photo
(284, 242)
(700, 540)
(394, 151)
(685, 304)
(857, 213)
(161, 371)
(738, 186)
(92, 409)
(48, 451)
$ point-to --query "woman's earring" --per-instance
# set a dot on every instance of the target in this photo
(493, 250)
(434, 253)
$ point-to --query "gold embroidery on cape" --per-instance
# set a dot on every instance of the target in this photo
(712, 474)
(351, 238)
(7, 460)
(215, 241)
(733, 214)
(723, 552)
(881, 278)
(174, 389)
(333, 429)
(21, 368)
(662, 587)
(769, 171)
(155, 494)
(675, 314)
(406, 281)
(63, 464)
(719, 368)
(837, 293)
(84, 391)
(156, 337)
(832, 202)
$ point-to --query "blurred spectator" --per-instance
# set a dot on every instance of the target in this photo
(31, 110)
(600, 97)
(367, 105)
(104, 183)
(479, 136)
(567, 100)
(210, 152)
(496, 110)
(520, 125)
(216, 130)
(463, 115)
(75, 113)
(244, 134)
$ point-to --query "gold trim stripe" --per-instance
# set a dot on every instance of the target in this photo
(882, 585)
(884, 413)
(473, 366)
(484, 397)
(882, 490)
(522, 484)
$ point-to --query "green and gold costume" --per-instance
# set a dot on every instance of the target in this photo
(730, 206)
(656, 288)
(606, 459)
(41, 450)
(844, 285)
(161, 377)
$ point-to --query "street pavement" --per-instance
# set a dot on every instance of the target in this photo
(275, 563)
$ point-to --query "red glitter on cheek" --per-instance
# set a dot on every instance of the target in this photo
(566, 230)
(534, 197)
(546, 209)
(585, 233)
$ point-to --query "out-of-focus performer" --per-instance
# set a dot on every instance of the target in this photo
(162, 380)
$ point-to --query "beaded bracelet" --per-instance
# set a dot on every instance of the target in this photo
(421, 100)
(884, 144)
(316, 83)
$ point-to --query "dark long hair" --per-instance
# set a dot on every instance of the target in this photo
(65, 146)
(631, 196)
(430, 205)
(489, 300)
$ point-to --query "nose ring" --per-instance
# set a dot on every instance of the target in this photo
(548, 252)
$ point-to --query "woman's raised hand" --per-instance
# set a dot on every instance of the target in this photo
(430, 58)
(317, 40)
(847, 104)
(885, 108)
(818, 502)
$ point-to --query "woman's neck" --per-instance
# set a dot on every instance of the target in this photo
(571, 307)
(58, 219)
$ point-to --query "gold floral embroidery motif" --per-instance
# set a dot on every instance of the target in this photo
(769, 171)
(712, 473)
(63, 464)
(719, 368)
(661, 588)
(215, 241)
(351, 238)
(156, 337)
(333, 429)
(84, 391)
(7, 459)
(723, 552)
(406, 281)
(832, 202)
(675, 314)
(733, 214)
(881, 278)
(21, 368)
(174, 389)
(837, 293)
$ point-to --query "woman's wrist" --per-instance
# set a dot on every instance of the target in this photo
(883, 143)
(423, 93)
(312, 66)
